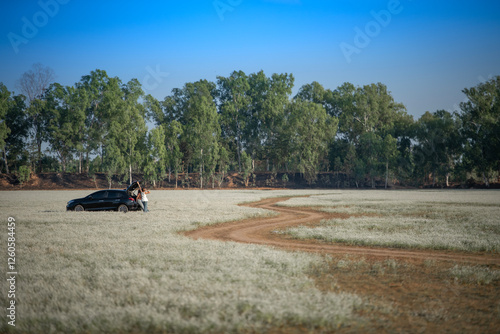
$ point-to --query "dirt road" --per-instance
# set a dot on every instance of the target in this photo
(263, 231)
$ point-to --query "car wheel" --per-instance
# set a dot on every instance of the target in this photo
(122, 208)
(79, 208)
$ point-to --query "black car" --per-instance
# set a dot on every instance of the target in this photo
(112, 199)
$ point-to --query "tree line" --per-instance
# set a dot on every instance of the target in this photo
(247, 123)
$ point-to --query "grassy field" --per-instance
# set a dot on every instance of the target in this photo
(444, 220)
(109, 272)
(106, 272)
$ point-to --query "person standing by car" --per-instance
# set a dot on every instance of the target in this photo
(144, 199)
(139, 199)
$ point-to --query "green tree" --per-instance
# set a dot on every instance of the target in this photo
(169, 115)
(375, 111)
(375, 124)
(251, 109)
(103, 96)
(112, 163)
(480, 117)
(316, 93)
(404, 132)
(349, 165)
(156, 160)
(269, 120)
(313, 92)
(232, 94)
(4, 129)
(17, 121)
(33, 85)
(66, 114)
(389, 152)
(369, 152)
(259, 86)
(439, 144)
(154, 110)
(311, 130)
(174, 133)
(223, 164)
(78, 104)
(127, 128)
(246, 164)
(201, 131)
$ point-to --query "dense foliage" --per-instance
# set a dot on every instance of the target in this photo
(246, 123)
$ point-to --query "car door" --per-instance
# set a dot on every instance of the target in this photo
(97, 200)
(131, 188)
(115, 198)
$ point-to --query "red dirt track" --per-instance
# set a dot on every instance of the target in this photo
(260, 231)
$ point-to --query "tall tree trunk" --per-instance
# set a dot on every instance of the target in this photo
(239, 154)
(63, 163)
(201, 170)
(238, 144)
(130, 172)
(386, 173)
(102, 158)
(486, 180)
(87, 162)
(5, 160)
(130, 162)
(498, 180)
(39, 143)
(80, 163)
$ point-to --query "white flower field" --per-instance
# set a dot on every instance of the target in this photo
(451, 220)
(109, 272)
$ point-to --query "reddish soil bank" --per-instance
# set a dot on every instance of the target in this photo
(64, 181)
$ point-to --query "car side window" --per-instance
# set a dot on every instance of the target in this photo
(115, 194)
(100, 195)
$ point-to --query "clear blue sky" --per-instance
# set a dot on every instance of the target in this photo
(426, 52)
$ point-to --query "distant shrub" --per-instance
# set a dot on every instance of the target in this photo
(24, 174)
(285, 179)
